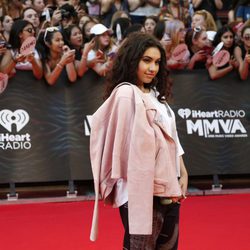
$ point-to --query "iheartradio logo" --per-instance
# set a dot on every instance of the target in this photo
(184, 113)
(19, 117)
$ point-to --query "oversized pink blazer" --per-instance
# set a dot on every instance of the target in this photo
(129, 141)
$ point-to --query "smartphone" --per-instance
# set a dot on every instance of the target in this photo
(4, 44)
(111, 54)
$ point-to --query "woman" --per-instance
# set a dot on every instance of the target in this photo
(141, 153)
(74, 39)
(198, 46)
(176, 32)
(242, 53)
(203, 18)
(150, 23)
(104, 48)
(7, 23)
(13, 59)
(56, 57)
(227, 36)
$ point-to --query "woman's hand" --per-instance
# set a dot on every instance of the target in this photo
(19, 58)
(68, 56)
(200, 56)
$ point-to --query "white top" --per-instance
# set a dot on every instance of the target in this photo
(168, 118)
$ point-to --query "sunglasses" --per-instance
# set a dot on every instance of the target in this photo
(247, 37)
(49, 29)
(30, 30)
(196, 31)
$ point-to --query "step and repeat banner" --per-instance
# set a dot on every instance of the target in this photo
(44, 130)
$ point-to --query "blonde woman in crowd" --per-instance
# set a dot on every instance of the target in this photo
(177, 32)
(204, 19)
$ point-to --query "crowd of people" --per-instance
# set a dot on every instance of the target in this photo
(77, 35)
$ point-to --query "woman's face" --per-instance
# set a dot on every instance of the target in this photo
(181, 33)
(87, 28)
(228, 39)
(149, 26)
(83, 20)
(198, 20)
(148, 66)
(104, 39)
(246, 38)
(31, 16)
(38, 5)
(201, 40)
(76, 37)
(57, 42)
(28, 31)
(7, 23)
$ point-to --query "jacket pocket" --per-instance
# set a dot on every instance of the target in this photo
(159, 186)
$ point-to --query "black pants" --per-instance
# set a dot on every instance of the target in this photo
(165, 232)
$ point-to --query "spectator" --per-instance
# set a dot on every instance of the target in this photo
(211, 6)
(137, 27)
(175, 29)
(118, 14)
(83, 20)
(197, 42)
(3, 7)
(119, 29)
(110, 7)
(15, 8)
(31, 15)
(242, 53)
(56, 57)
(86, 30)
(6, 22)
(26, 3)
(227, 36)
(232, 10)
(203, 19)
(69, 15)
(13, 59)
(243, 11)
(74, 39)
(104, 47)
(39, 6)
(174, 10)
(150, 23)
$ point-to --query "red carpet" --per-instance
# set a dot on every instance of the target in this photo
(207, 223)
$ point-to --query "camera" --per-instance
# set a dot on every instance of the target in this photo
(4, 44)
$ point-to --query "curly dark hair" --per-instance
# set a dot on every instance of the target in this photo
(127, 60)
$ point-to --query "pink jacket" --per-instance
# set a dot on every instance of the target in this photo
(129, 141)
